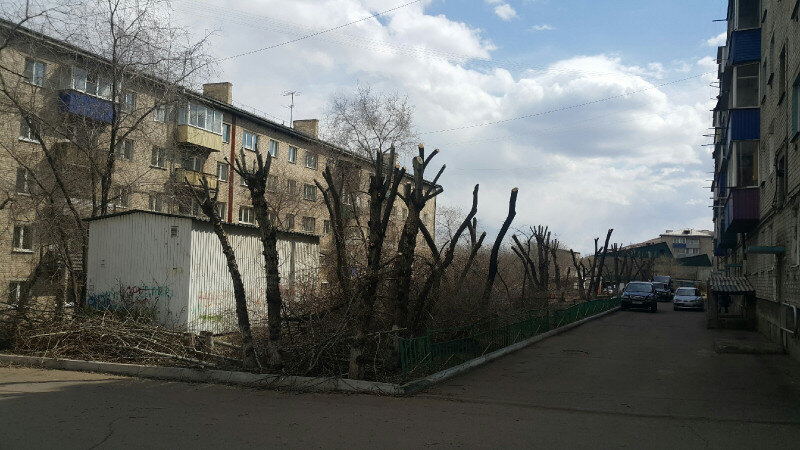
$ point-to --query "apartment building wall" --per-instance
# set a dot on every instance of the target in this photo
(138, 183)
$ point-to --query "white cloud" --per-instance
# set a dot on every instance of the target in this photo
(505, 12)
(634, 163)
(717, 40)
(542, 27)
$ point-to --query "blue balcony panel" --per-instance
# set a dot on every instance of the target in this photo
(719, 251)
(745, 124)
(745, 46)
(742, 210)
(84, 105)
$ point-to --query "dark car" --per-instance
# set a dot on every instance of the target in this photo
(662, 292)
(639, 294)
(666, 279)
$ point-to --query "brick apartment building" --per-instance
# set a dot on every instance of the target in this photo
(757, 161)
(187, 137)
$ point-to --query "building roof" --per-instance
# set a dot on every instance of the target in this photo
(199, 220)
(690, 232)
(731, 285)
(700, 260)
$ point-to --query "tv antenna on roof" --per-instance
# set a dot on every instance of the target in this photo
(291, 106)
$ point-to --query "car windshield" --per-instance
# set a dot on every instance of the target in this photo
(659, 285)
(687, 292)
(661, 279)
(638, 287)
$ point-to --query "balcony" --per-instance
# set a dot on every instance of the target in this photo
(744, 124)
(195, 137)
(195, 178)
(84, 105)
(719, 251)
(742, 210)
(745, 46)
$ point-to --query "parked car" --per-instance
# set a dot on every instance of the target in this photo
(666, 279)
(662, 292)
(686, 297)
(639, 294)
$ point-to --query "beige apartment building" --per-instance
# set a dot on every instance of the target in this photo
(171, 139)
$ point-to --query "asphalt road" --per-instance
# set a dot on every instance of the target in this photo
(631, 379)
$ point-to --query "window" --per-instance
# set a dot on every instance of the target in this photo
(309, 224)
(246, 214)
(747, 14)
(128, 102)
(124, 149)
(311, 160)
(290, 221)
(782, 75)
(743, 166)
(200, 116)
(123, 197)
(222, 171)
(291, 187)
(272, 183)
(189, 207)
(310, 192)
(797, 238)
(25, 132)
(782, 178)
(34, 71)
(796, 107)
(226, 132)
(193, 163)
(745, 86)
(90, 83)
(222, 210)
(158, 157)
(249, 141)
(22, 238)
(273, 148)
(15, 291)
(242, 181)
(24, 181)
(292, 154)
(161, 113)
(326, 226)
(155, 203)
(771, 58)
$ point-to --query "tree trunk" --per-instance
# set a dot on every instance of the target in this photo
(487, 289)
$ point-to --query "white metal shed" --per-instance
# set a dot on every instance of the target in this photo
(173, 266)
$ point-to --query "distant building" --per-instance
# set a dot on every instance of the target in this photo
(682, 254)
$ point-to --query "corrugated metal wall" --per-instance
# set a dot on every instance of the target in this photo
(211, 300)
(136, 261)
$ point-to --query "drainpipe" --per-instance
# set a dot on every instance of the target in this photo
(230, 170)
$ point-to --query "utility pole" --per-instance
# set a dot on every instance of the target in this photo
(291, 106)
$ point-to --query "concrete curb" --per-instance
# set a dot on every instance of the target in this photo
(421, 384)
(307, 384)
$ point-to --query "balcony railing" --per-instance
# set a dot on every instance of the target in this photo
(195, 178)
(192, 136)
(85, 105)
(742, 210)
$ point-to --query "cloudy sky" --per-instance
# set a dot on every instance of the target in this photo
(595, 110)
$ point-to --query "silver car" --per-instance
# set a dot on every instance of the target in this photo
(687, 297)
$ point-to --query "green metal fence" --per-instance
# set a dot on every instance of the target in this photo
(448, 347)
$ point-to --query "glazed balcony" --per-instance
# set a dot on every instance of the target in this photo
(199, 138)
(85, 105)
(745, 46)
(195, 178)
(744, 124)
(742, 210)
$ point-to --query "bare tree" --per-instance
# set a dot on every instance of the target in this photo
(475, 245)
(512, 212)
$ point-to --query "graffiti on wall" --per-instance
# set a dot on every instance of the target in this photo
(129, 297)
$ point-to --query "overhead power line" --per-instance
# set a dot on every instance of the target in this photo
(328, 30)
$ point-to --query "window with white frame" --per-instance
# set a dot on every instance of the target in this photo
(91, 83)
(747, 14)
(200, 116)
(291, 187)
(309, 224)
(745, 86)
(24, 181)
(189, 207)
(311, 160)
(292, 154)
(222, 210)
(272, 183)
(310, 192)
(273, 148)
(226, 132)
(23, 238)
(246, 215)
(34, 71)
(249, 141)
(290, 221)
(25, 132)
(128, 102)
(124, 149)
(155, 202)
(123, 197)
(193, 163)
(326, 226)
(743, 164)
(222, 171)
(161, 113)
(158, 157)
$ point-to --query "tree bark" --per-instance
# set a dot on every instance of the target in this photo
(487, 289)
